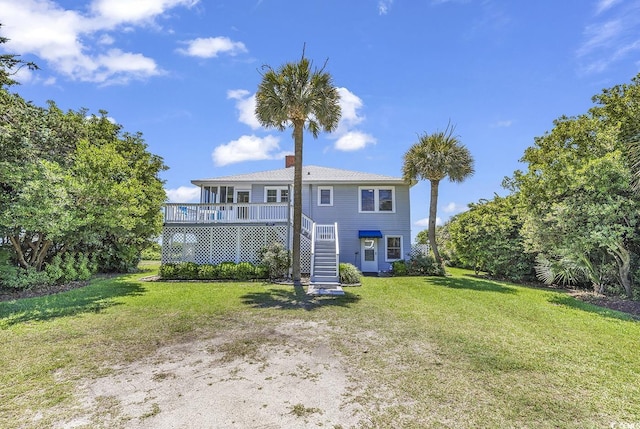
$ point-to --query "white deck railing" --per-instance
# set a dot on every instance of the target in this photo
(226, 213)
(325, 232)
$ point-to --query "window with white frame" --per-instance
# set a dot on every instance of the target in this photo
(277, 194)
(217, 194)
(376, 199)
(325, 195)
(393, 247)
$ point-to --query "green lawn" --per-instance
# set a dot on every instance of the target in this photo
(436, 352)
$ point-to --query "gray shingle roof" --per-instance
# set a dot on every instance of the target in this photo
(310, 174)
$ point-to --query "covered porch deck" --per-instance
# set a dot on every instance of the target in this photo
(196, 213)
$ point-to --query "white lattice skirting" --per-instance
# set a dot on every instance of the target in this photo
(213, 244)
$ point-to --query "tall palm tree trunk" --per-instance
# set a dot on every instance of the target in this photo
(298, 128)
(433, 206)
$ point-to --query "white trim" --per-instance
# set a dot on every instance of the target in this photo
(369, 266)
(386, 247)
(325, 188)
(237, 191)
(278, 190)
(376, 199)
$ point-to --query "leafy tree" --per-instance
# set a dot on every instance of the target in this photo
(580, 214)
(296, 96)
(10, 64)
(442, 240)
(619, 108)
(487, 238)
(435, 157)
(423, 237)
(74, 183)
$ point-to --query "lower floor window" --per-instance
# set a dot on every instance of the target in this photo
(394, 247)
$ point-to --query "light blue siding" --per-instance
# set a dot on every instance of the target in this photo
(345, 212)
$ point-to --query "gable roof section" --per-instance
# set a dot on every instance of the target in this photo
(310, 174)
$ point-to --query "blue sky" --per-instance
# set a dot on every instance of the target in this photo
(184, 72)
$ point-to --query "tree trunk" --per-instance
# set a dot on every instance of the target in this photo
(298, 128)
(37, 254)
(623, 258)
(433, 206)
(15, 242)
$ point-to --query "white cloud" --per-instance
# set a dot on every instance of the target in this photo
(424, 222)
(347, 137)
(600, 35)
(383, 6)
(454, 208)
(120, 67)
(212, 46)
(183, 194)
(353, 140)
(604, 5)
(246, 105)
(611, 39)
(247, 148)
(127, 11)
(64, 38)
(502, 124)
(349, 106)
(106, 39)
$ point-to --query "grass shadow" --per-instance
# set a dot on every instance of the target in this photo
(471, 283)
(296, 299)
(95, 297)
(571, 302)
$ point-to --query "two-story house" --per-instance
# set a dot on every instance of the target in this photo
(348, 216)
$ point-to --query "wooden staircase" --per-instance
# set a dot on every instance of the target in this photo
(325, 259)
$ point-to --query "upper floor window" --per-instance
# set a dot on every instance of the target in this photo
(279, 194)
(377, 199)
(216, 194)
(325, 195)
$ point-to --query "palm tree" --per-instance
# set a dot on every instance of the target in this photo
(434, 157)
(296, 96)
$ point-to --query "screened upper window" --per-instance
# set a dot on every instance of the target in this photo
(377, 199)
(215, 194)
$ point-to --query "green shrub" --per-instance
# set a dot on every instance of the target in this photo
(69, 268)
(349, 274)
(276, 259)
(224, 271)
(227, 270)
(423, 265)
(188, 270)
(208, 272)
(262, 272)
(168, 271)
(244, 271)
(418, 264)
(83, 267)
(399, 268)
(54, 270)
(25, 279)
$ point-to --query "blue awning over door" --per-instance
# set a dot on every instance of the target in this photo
(369, 233)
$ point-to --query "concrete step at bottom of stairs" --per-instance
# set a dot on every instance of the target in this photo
(317, 290)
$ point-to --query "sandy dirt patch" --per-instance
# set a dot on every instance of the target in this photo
(287, 377)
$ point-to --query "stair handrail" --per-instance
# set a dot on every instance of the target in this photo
(306, 220)
(335, 235)
(313, 247)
